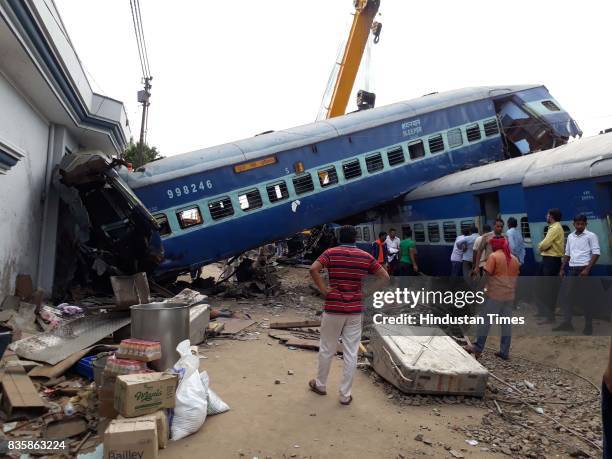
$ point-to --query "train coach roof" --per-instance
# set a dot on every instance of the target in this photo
(254, 147)
(589, 157)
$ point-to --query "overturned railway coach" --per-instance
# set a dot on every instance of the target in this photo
(220, 201)
(576, 178)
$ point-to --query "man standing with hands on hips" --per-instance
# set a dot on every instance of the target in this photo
(347, 267)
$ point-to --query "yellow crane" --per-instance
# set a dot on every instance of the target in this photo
(363, 23)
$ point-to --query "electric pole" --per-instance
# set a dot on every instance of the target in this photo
(143, 98)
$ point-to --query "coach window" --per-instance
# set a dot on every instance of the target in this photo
(351, 169)
(221, 208)
(416, 149)
(277, 191)
(374, 163)
(455, 138)
(358, 235)
(450, 231)
(490, 128)
(473, 133)
(466, 224)
(436, 144)
(396, 156)
(250, 200)
(189, 217)
(366, 234)
(164, 225)
(303, 184)
(407, 232)
(433, 232)
(549, 104)
(525, 231)
(327, 176)
(419, 232)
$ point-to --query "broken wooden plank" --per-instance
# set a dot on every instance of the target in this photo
(231, 326)
(280, 335)
(310, 344)
(299, 324)
(19, 396)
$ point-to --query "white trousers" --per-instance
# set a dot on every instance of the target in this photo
(332, 327)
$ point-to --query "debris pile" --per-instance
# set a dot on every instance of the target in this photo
(78, 373)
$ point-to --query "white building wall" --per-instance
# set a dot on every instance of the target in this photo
(21, 188)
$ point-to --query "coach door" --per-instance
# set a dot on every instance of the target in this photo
(489, 208)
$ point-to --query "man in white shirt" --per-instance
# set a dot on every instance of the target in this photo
(582, 252)
(459, 248)
(393, 248)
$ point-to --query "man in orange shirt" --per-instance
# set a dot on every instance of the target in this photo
(501, 272)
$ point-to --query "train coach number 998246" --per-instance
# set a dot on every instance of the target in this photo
(190, 188)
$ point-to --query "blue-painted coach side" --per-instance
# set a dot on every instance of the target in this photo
(194, 180)
(576, 178)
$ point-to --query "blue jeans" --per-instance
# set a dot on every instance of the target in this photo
(456, 268)
(606, 420)
(503, 309)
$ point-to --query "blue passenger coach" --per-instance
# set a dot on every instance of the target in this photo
(220, 201)
(577, 178)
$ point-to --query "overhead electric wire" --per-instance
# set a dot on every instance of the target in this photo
(140, 41)
(142, 37)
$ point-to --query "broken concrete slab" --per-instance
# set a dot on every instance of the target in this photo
(54, 346)
(431, 364)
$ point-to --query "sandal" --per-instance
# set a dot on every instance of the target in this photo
(313, 387)
(348, 402)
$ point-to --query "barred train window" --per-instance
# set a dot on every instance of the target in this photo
(164, 225)
(277, 191)
(436, 143)
(303, 184)
(396, 156)
(491, 128)
(327, 176)
(358, 236)
(374, 163)
(466, 224)
(416, 149)
(366, 234)
(450, 231)
(525, 231)
(250, 200)
(221, 208)
(473, 133)
(351, 169)
(433, 232)
(419, 232)
(189, 217)
(549, 104)
(455, 138)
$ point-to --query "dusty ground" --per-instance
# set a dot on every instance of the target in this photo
(287, 420)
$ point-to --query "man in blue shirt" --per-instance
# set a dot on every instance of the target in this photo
(515, 239)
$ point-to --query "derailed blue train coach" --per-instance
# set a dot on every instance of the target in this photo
(576, 178)
(217, 202)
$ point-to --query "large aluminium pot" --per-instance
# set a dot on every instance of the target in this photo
(167, 323)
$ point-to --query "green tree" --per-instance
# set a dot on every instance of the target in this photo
(132, 154)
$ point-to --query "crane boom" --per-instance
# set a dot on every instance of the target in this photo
(365, 11)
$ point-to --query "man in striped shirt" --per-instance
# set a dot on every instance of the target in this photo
(347, 267)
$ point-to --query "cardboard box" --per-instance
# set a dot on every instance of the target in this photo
(19, 396)
(131, 439)
(106, 397)
(144, 393)
(161, 422)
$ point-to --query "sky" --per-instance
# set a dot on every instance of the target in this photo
(228, 70)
